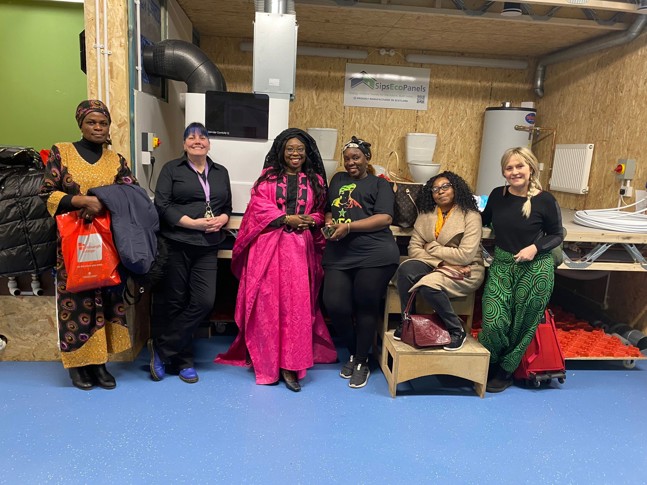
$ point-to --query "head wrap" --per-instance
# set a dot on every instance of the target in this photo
(274, 157)
(364, 146)
(88, 106)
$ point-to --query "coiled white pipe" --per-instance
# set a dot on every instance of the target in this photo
(614, 219)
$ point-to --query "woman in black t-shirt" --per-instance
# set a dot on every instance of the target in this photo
(360, 257)
(528, 224)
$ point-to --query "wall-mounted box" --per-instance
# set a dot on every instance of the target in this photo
(275, 53)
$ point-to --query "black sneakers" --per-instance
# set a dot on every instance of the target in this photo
(458, 339)
(397, 335)
(347, 371)
(360, 375)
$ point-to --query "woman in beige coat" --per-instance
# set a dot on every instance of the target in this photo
(445, 258)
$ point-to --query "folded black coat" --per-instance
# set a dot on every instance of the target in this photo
(134, 224)
(27, 231)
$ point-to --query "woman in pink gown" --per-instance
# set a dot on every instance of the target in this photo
(277, 258)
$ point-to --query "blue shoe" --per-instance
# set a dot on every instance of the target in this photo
(189, 375)
(156, 365)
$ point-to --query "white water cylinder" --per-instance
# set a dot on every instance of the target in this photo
(499, 134)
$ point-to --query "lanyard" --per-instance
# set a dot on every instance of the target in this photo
(205, 186)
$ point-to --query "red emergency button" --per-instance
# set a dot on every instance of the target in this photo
(620, 169)
(156, 142)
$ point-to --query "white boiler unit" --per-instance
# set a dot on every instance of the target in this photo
(499, 134)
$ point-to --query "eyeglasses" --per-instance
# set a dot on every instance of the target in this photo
(299, 150)
(442, 187)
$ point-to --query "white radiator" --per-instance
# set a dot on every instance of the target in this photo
(571, 168)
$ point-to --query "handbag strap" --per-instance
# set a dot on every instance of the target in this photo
(393, 176)
(410, 302)
(388, 166)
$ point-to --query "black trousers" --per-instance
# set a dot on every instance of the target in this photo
(190, 292)
(358, 293)
(409, 273)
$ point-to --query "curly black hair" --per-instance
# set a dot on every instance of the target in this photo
(313, 166)
(463, 195)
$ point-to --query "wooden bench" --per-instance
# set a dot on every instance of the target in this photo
(401, 362)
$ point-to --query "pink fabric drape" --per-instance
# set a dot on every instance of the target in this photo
(277, 311)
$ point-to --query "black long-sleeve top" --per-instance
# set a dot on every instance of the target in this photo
(178, 193)
(513, 231)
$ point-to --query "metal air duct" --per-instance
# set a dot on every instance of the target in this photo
(610, 40)
(275, 6)
(182, 61)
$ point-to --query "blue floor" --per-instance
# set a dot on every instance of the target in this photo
(225, 429)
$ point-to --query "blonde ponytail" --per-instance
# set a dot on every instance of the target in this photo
(534, 185)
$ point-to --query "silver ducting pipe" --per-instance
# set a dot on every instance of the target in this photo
(182, 61)
(611, 40)
(275, 6)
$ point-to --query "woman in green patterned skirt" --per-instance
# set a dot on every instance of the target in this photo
(528, 224)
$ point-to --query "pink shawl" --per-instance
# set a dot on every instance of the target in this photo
(277, 311)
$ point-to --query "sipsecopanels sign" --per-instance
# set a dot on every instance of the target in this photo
(386, 87)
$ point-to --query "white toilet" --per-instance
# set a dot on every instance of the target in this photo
(419, 151)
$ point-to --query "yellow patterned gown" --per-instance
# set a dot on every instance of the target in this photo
(91, 323)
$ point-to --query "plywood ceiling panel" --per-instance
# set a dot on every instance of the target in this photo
(434, 31)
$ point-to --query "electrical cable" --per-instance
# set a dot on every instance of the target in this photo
(614, 219)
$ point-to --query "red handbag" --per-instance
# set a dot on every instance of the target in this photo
(89, 252)
(423, 330)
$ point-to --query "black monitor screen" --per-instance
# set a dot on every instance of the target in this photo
(237, 115)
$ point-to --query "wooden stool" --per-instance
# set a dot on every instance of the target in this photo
(401, 362)
(463, 306)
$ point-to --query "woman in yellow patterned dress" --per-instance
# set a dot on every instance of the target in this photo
(91, 323)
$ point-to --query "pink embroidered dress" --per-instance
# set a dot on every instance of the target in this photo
(277, 310)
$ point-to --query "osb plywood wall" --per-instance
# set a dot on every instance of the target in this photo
(626, 298)
(600, 99)
(457, 101)
(597, 100)
(117, 45)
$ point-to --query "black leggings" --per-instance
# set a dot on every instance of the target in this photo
(356, 292)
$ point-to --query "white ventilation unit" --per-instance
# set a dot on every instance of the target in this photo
(571, 168)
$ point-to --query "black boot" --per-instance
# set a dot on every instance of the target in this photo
(102, 376)
(291, 381)
(81, 378)
(500, 382)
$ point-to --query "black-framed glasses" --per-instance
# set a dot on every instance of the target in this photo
(299, 150)
(442, 187)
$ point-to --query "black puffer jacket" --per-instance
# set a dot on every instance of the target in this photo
(27, 231)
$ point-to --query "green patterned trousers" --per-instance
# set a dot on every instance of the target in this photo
(514, 299)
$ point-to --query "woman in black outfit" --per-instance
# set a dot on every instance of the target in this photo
(360, 257)
(528, 224)
(193, 199)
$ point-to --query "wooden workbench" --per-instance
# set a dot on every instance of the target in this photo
(581, 236)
